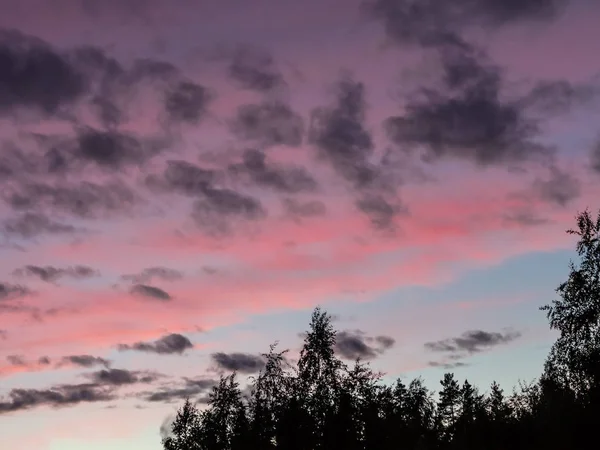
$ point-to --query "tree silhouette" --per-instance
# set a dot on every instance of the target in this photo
(186, 430)
(267, 400)
(575, 356)
(448, 408)
(225, 417)
(319, 375)
(497, 428)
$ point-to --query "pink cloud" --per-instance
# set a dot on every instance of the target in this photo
(441, 239)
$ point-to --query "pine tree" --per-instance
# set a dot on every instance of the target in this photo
(420, 413)
(448, 407)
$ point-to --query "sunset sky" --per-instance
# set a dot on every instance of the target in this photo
(183, 181)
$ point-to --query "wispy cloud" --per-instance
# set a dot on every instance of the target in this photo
(356, 344)
(239, 362)
(167, 345)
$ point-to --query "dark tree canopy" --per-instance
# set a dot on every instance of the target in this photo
(575, 356)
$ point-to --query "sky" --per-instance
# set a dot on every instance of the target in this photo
(183, 182)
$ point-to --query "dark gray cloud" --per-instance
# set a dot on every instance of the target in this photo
(34, 75)
(267, 124)
(98, 66)
(595, 157)
(356, 344)
(150, 292)
(524, 218)
(167, 345)
(49, 176)
(187, 102)
(109, 149)
(514, 10)
(559, 96)
(17, 308)
(101, 389)
(380, 210)
(218, 206)
(255, 69)
(85, 199)
(51, 274)
(16, 360)
(14, 162)
(472, 342)
(239, 362)
(151, 273)
(210, 270)
(116, 87)
(120, 377)
(60, 396)
(427, 22)
(559, 188)
(151, 69)
(184, 178)
(385, 342)
(84, 361)
(191, 388)
(12, 291)
(299, 210)
(38, 76)
(214, 207)
(466, 117)
(30, 225)
(108, 112)
(447, 365)
(289, 180)
(339, 134)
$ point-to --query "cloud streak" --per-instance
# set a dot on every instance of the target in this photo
(473, 341)
(148, 292)
(190, 388)
(52, 274)
(356, 344)
(238, 362)
(12, 291)
(167, 345)
(60, 396)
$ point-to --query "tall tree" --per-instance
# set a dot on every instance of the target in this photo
(499, 417)
(267, 399)
(574, 359)
(319, 374)
(471, 420)
(448, 407)
(362, 386)
(185, 430)
(222, 419)
(420, 411)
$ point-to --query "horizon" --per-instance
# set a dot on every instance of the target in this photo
(182, 185)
